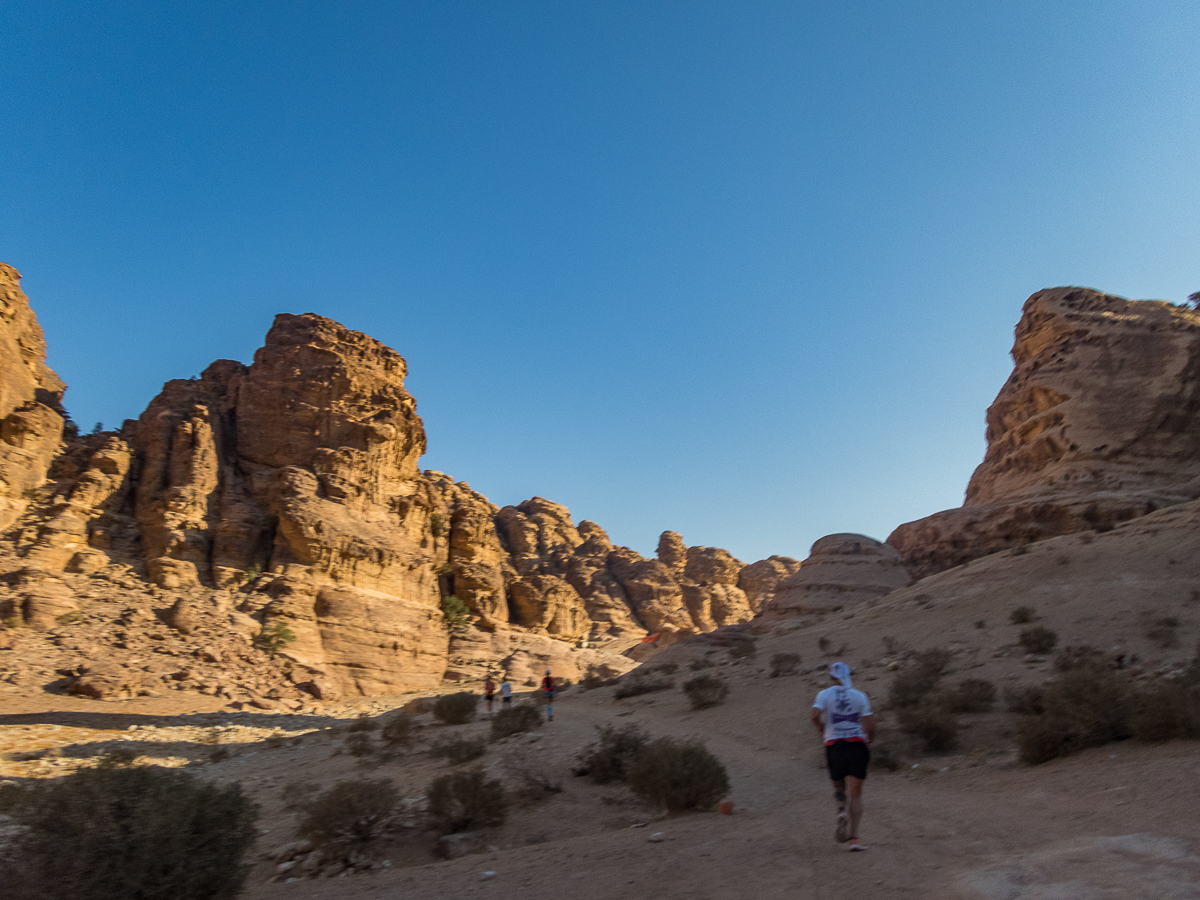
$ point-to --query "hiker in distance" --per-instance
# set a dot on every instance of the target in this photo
(506, 693)
(548, 694)
(489, 693)
(843, 717)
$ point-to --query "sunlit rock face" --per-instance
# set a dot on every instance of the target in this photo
(1098, 423)
(841, 572)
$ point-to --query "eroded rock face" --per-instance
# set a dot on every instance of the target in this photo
(842, 571)
(1098, 423)
(31, 420)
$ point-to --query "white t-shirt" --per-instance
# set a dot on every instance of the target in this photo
(506, 690)
(844, 708)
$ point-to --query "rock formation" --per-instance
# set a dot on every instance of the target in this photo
(843, 570)
(1098, 423)
(290, 490)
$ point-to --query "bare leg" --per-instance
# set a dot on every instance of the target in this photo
(854, 789)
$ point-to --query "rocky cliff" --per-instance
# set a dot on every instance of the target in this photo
(1098, 423)
(285, 497)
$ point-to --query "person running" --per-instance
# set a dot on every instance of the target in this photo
(548, 695)
(506, 693)
(843, 716)
(489, 693)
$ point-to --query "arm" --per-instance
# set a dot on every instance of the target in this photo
(815, 716)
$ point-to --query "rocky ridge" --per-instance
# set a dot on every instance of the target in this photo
(285, 498)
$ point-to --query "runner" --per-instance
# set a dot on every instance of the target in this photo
(843, 716)
(506, 692)
(489, 693)
(548, 694)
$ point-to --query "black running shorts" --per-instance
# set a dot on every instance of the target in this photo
(847, 758)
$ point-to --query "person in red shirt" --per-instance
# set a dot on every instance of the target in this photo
(489, 692)
(548, 694)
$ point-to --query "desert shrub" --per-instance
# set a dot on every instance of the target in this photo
(516, 719)
(697, 664)
(971, 695)
(932, 723)
(74, 617)
(743, 648)
(398, 731)
(823, 644)
(463, 800)
(1038, 640)
(460, 751)
(641, 683)
(274, 637)
(886, 755)
(113, 834)
(608, 759)
(784, 664)
(704, 691)
(1084, 707)
(677, 775)
(1022, 615)
(349, 818)
(455, 709)
(667, 668)
(598, 677)
(1164, 631)
(455, 614)
(919, 678)
(1025, 701)
(981, 623)
(1166, 711)
(1079, 657)
(363, 723)
(118, 757)
(359, 743)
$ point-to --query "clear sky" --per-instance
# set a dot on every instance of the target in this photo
(744, 270)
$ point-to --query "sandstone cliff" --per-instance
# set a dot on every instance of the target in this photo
(1098, 423)
(290, 490)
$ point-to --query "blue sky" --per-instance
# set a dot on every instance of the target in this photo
(748, 271)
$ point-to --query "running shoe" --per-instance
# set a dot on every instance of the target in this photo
(855, 846)
(843, 827)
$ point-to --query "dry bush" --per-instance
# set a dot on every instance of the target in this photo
(346, 821)
(1164, 631)
(359, 743)
(1084, 707)
(705, 691)
(608, 759)
(458, 752)
(666, 668)
(118, 757)
(743, 648)
(1079, 657)
(784, 664)
(465, 800)
(456, 709)
(598, 677)
(886, 755)
(919, 679)
(642, 682)
(397, 732)
(1038, 640)
(363, 723)
(516, 719)
(971, 695)
(1166, 711)
(1022, 615)
(932, 723)
(697, 664)
(1025, 701)
(678, 775)
(115, 834)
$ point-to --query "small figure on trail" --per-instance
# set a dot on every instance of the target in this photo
(489, 692)
(548, 695)
(506, 693)
(843, 716)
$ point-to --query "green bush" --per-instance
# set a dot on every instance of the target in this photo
(1022, 615)
(348, 819)
(456, 709)
(678, 775)
(1038, 640)
(516, 719)
(931, 722)
(275, 637)
(460, 751)
(465, 800)
(608, 759)
(784, 664)
(641, 682)
(971, 695)
(120, 833)
(455, 614)
(704, 691)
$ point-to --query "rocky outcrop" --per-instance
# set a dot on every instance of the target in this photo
(1098, 423)
(31, 417)
(842, 571)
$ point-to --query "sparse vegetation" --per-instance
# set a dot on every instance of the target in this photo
(435, 525)
(705, 691)
(118, 757)
(275, 637)
(253, 572)
(678, 775)
(971, 695)
(666, 668)
(1084, 707)
(700, 663)
(455, 614)
(1022, 615)
(456, 709)
(918, 680)
(359, 743)
(363, 723)
(932, 722)
(516, 719)
(784, 664)
(823, 644)
(1025, 701)
(397, 732)
(1166, 711)
(1079, 657)
(74, 617)
(598, 677)
(13, 622)
(346, 821)
(465, 800)
(1038, 640)
(641, 682)
(608, 759)
(117, 833)
(459, 751)
(743, 648)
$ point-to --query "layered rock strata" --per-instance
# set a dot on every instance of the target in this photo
(1098, 423)
(842, 571)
